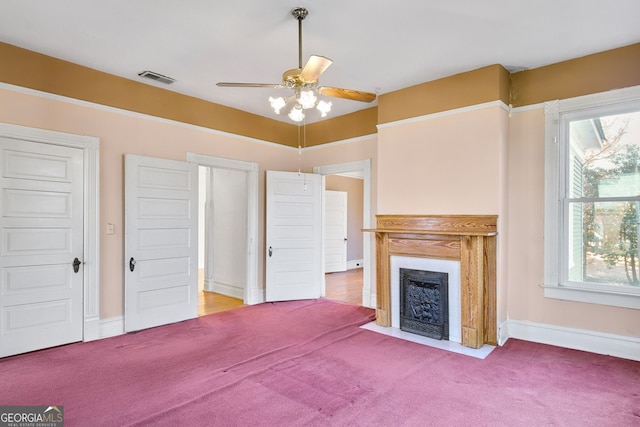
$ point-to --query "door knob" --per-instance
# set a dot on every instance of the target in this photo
(76, 265)
(132, 264)
(270, 251)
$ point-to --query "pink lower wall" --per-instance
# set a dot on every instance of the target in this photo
(451, 163)
(121, 133)
(487, 161)
(443, 164)
(471, 161)
(526, 299)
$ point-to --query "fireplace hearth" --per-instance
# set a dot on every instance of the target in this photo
(424, 303)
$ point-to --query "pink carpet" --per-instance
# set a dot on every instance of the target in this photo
(307, 363)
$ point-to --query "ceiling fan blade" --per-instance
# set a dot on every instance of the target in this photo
(315, 66)
(271, 85)
(354, 95)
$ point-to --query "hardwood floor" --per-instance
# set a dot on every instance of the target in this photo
(343, 286)
(211, 302)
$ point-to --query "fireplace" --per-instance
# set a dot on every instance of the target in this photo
(468, 240)
(424, 303)
(449, 267)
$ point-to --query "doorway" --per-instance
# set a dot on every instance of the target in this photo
(343, 284)
(343, 237)
(227, 261)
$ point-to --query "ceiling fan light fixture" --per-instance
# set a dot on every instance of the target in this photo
(296, 114)
(324, 107)
(303, 81)
(277, 103)
(307, 99)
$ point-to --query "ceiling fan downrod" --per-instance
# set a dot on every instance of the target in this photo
(299, 13)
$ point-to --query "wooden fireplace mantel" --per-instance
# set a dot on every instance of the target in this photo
(470, 239)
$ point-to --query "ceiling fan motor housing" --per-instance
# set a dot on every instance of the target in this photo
(291, 78)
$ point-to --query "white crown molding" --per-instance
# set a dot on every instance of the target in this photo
(342, 142)
(134, 114)
(515, 110)
(445, 113)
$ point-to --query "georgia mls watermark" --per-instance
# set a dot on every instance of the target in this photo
(31, 416)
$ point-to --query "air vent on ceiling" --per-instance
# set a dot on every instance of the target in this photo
(157, 77)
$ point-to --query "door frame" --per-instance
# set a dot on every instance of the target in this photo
(362, 167)
(90, 147)
(252, 294)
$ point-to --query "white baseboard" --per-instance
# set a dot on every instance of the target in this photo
(368, 298)
(355, 263)
(91, 329)
(228, 290)
(579, 339)
(503, 332)
(256, 296)
(112, 327)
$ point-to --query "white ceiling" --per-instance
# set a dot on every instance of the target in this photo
(376, 45)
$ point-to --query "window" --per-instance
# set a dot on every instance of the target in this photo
(592, 198)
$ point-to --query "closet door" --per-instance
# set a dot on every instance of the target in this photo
(161, 241)
(41, 262)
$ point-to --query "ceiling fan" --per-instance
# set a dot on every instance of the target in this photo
(304, 82)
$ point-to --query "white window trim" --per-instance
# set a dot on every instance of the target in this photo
(553, 215)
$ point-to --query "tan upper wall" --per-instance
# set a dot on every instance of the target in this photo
(612, 69)
(461, 90)
(339, 128)
(600, 72)
(32, 70)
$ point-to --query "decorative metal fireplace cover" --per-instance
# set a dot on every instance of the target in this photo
(424, 303)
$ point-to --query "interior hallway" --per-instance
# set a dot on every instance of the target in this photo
(343, 286)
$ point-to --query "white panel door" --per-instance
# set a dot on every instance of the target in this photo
(42, 233)
(161, 241)
(294, 236)
(335, 231)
